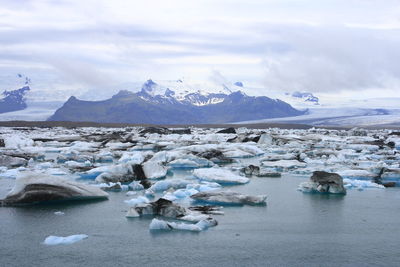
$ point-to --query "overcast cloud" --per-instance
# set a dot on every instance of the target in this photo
(326, 46)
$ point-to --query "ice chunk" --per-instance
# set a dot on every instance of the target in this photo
(165, 225)
(154, 170)
(136, 186)
(284, 164)
(11, 173)
(17, 141)
(190, 161)
(113, 186)
(31, 188)
(133, 157)
(169, 183)
(11, 162)
(136, 201)
(221, 176)
(60, 240)
(356, 174)
(132, 213)
(229, 198)
(360, 184)
(59, 213)
(323, 182)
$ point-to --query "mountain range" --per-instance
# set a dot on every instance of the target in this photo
(156, 104)
(13, 100)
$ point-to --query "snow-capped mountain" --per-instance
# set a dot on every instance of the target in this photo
(175, 104)
(198, 94)
(13, 100)
(306, 96)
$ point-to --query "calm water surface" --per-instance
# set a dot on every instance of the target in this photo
(294, 229)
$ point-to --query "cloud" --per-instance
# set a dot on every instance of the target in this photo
(328, 59)
(319, 46)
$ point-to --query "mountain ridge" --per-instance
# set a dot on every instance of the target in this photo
(157, 105)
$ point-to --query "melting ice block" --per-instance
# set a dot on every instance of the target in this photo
(32, 188)
(221, 176)
(60, 240)
(229, 198)
(323, 182)
(197, 227)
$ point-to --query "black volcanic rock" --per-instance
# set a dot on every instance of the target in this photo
(13, 100)
(229, 130)
(194, 108)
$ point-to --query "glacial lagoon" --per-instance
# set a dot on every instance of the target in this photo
(359, 228)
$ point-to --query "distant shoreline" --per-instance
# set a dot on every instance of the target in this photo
(69, 124)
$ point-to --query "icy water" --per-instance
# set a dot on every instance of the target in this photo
(294, 229)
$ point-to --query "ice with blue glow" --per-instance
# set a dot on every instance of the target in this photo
(67, 240)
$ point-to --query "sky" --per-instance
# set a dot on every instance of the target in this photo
(343, 48)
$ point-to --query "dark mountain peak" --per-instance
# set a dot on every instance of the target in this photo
(148, 86)
(14, 100)
(239, 84)
(169, 93)
(72, 99)
(123, 93)
(16, 93)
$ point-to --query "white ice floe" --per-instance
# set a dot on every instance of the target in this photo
(314, 187)
(154, 170)
(136, 186)
(219, 175)
(202, 225)
(229, 198)
(360, 184)
(190, 162)
(31, 187)
(136, 201)
(133, 157)
(59, 213)
(60, 240)
(284, 164)
(11, 173)
(356, 174)
(161, 186)
(17, 141)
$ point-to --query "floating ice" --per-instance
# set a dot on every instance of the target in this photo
(154, 170)
(133, 157)
(31, 187)
(136, 201)
(169, 183)
(360, 184)
(356, 174)
(323, 182)
(221, 176)
(165, 225)
(59, 213)
(60, 240)
(229, 198)
(284, 164)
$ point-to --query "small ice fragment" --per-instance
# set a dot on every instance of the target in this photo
(135, 201)
(60, 240)
(59, 213)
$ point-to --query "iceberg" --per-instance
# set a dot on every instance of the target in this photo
(360, 184)
(229, 198)
(154, 170)
(161, 186)
(221, 176)
(197, 227)
(136, 201)
(60, 240)
(323, 182)
(33, 188)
